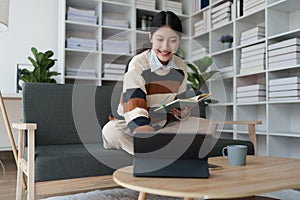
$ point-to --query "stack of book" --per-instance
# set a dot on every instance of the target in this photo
(80, 15)
(282, 89)
(226, 71)
(202, 25)
(284, 54)
(221, 14)
(252, 35)
(113, 71)
(115, 20)
(253, 58)
(116, 46)
(174, 6)
(91, 73)
(199, 53)
(250, 6)
(81, 43)
(146, 4)
(251, 93)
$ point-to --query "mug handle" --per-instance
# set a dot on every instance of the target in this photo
(223, 152)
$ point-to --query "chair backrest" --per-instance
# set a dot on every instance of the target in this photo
(63, 111)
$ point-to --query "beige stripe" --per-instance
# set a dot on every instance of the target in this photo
(135, 113)
(134, 103)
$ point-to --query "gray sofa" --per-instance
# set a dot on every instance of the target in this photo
(68, 137)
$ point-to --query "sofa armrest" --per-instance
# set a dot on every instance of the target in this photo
(24, 126)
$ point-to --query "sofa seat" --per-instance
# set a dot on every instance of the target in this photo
(53, 162)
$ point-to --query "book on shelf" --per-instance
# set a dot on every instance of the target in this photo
(258, 30)
(284, 63)
(250, 99)
(81, 43)
(81, 15)
(251, 39)
(146, 4)
(81, 72)
(221, 23)
(112, 76)
(115, 20)
(283, 57)
(252, 3)
(113, 71)
(116, 46)
(253, 47)
(258, 62)
(114, 66)
(253, 53)
(286, 80)
(253, 58)
(221, 12)
(249, 70)
(221, 6)
(284, 98)
(182, 103)
(284, 50)
(221, 17)
(253, 6)
(284, 87)
(288, 93)
(284, 43)
(251, 87)
(251, 93)
(239, 8)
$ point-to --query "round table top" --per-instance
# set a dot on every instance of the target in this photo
(261, 174)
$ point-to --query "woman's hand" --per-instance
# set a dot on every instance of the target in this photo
(181, 113)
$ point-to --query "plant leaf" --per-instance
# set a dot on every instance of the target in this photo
(203, 63)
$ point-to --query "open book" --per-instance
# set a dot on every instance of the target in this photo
(182, 103)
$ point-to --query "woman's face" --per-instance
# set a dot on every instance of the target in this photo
(165, 42)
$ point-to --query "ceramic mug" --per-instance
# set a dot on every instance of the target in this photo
(236, 154)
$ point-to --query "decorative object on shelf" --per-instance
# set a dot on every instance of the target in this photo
(200, 74)
(4, 14)
(42, 64)
(226, 40)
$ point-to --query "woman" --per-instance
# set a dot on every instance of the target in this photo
(154, 76)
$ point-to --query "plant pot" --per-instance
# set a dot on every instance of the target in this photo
(227, 45)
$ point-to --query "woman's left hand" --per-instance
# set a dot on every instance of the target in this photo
(181, 113)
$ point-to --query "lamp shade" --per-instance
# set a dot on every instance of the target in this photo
(4, 13)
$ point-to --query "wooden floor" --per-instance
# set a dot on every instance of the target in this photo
(8, 186)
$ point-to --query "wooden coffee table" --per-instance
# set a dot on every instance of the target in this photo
(261, 174)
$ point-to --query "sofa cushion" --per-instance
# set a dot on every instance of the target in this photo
(65, 113)
(54, 162)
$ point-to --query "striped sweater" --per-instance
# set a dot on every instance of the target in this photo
(144, 90)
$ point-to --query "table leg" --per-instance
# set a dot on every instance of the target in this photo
(142, 196)
(186, 198)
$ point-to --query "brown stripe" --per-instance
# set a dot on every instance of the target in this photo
(134, 103)
(162, 87)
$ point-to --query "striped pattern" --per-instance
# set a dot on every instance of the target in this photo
(144, 90)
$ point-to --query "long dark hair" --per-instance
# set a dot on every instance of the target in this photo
(166, 18)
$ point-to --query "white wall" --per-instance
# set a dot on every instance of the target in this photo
(31, 23)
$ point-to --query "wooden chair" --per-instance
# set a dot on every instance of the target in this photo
(251, 129)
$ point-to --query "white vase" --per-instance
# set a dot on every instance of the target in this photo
(227, 45)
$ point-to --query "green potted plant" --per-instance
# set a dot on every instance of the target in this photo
(226, 40)
(200, 74)
(42, 62)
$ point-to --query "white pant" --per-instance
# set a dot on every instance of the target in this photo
(116, 134)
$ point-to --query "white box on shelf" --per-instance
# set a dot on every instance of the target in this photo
(253, 58)
(251, 93)
(250, 99)
(258, 62)
(284, 57)
(251, 87)
(253, 53)
(284, 43)
(284, 98)
(251, 39)
(288, 93)
(284, 50)
(221, 6)
(253, 47)
(285, 63)
(253, 31)
(284, 87)
(252, 69)
(286, 80)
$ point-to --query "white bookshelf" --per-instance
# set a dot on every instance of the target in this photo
(279, 134)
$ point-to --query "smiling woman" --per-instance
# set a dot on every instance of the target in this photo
(154, 76)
